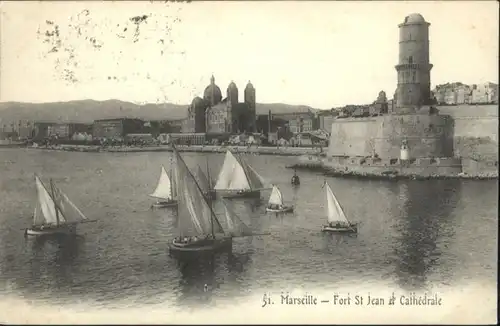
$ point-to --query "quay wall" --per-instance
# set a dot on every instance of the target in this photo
(422, 167)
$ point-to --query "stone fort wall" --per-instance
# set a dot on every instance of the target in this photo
(466, 131)
(475, 131)
(426, 135)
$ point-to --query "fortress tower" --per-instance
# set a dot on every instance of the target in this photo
(414, 79)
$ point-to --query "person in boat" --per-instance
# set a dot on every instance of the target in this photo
(295, 178)
(274, 206)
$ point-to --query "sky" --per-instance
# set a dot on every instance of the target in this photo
(322, 54)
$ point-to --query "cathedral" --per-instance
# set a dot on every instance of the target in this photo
(214, 115)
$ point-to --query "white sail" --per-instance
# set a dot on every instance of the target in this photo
(253, 175)
(68, 209)
(47, 205)
(235, 226)
(232, 175)
(37, 215)
(195, 215)
(203, 180)
(334, 211)
(164, 187)
(276, 198)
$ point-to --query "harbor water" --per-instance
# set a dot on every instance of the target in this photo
(414, 235)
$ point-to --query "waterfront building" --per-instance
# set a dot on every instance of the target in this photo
(60, 130)
(299, 121)
(484, 93)
(118, 128)
(175, 126)
(186, 138)
(459, 93)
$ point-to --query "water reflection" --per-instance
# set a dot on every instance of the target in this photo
(203, 276)
(53, 261)
(423, 221)
(331, 240)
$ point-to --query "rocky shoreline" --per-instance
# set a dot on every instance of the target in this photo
(315, 164)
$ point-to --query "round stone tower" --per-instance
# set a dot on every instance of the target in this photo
(414, 78)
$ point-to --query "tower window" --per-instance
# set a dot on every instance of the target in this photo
(414, 76)
(410, 58)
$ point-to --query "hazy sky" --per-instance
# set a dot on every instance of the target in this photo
(322, 54)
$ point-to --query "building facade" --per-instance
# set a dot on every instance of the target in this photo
(458, 93)
(484, 93)
(59, 130)
(118, 128)
(299, 122)
(215, 114)
(413, 69)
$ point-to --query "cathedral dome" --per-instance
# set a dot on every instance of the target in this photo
(212, 93)
(232, 85)
(414, 19)
(249, 85)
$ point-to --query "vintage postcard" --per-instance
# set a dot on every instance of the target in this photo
(248, 162)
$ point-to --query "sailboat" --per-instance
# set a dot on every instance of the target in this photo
(165, 191)
(198, 226)
(275, 203)
(54, 213)
(337, 220)
(238, 179)
(206, 183)
(235, 226)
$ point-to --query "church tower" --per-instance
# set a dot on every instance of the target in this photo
(251, 104)
(414, 78)
(232, 94)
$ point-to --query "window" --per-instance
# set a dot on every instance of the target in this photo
(414, 76)
(410, 59)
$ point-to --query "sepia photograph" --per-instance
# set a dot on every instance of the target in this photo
(249, 162)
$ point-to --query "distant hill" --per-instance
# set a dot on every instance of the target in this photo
(90, 110)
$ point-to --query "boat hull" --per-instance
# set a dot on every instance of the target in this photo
(239, 194)
(165, 204)
(206, 245)
(286, 209)
(342, 229)
(59, 230)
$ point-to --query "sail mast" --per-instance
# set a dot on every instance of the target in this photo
(36, 205)
(171, 182)
(208, 176)
(54, 200)
(209, 196)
